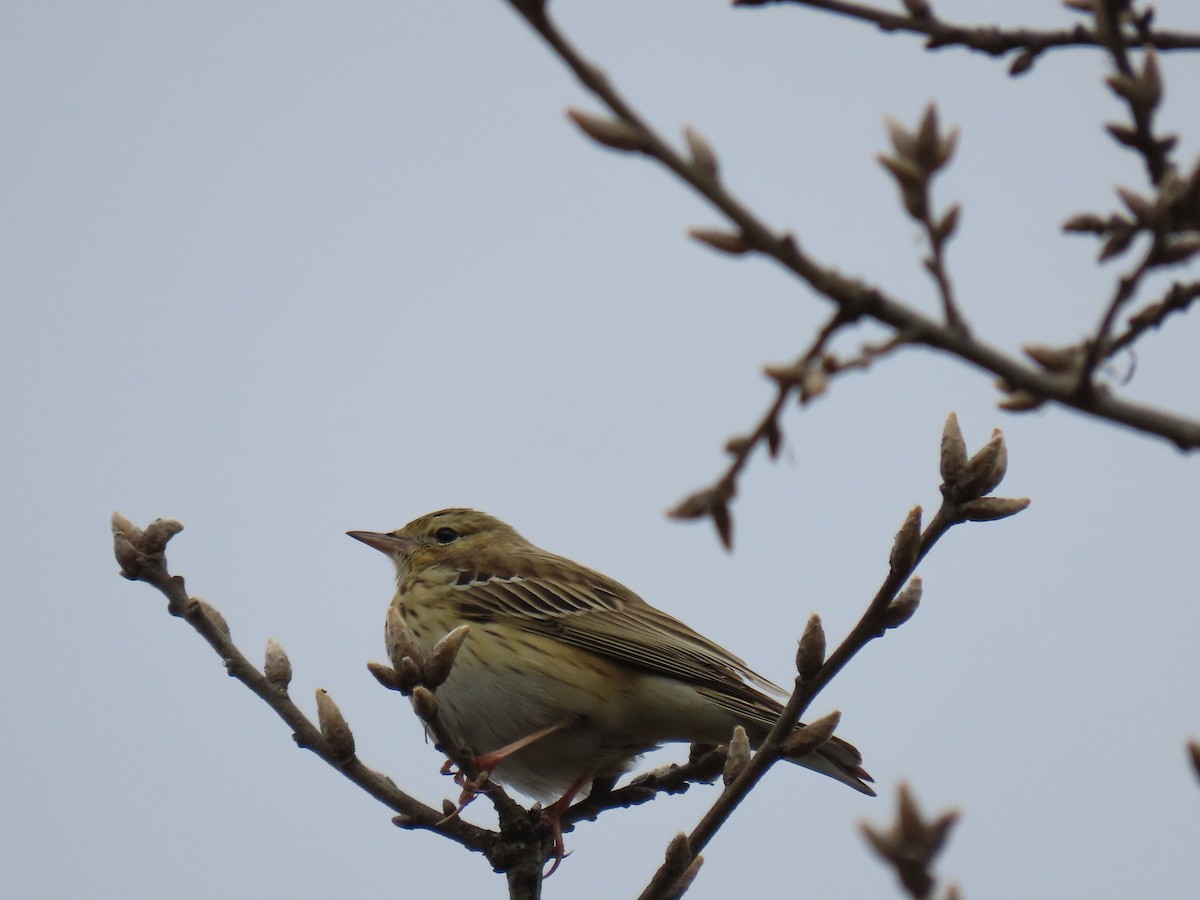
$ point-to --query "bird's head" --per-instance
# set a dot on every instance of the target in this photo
(441, 537)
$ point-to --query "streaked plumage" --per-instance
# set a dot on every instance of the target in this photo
(554, 642)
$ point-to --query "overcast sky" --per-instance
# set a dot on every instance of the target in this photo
(282, 270)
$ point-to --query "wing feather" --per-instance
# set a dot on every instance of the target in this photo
(604, 618)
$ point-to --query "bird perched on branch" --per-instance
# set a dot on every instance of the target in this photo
(567, 676)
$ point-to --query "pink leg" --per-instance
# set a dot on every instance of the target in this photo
(554, 813)
(487, 762)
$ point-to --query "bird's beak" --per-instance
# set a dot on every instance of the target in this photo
(386, 543)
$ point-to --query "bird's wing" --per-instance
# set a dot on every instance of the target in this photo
(590, 611)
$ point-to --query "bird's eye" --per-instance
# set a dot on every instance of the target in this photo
(445, 535)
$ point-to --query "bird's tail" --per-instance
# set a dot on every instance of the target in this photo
(841, 760)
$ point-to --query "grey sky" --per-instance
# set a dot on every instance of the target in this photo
(284, 270)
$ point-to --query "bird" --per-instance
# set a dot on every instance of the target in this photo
(566, 676)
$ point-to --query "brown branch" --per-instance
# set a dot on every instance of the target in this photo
(1171, 242)
(853, 297)
(1176, 300)
(524, 841)
(918, 156)
(704, 766)
(518, 849)
(808, 375)
(870, 626)
(966, 482)
(992, 40)
(936, 264)
(1142, 92)
(1098, 347)
(912, 844)
(1171, 219)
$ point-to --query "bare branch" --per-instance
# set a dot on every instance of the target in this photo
(855, 298)
(1098, 345)
(141, 555)
(705, 764)
(1142, 91)
(891, 605)
(988, 39)
(918, 157)
(1177, 300)
(911, 844)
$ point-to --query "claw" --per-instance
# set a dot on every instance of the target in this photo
(552, 816)
(559, 853)
(471, 788)
(476, 784)
(485, 764)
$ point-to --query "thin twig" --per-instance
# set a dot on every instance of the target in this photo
(869, 627)
(912, 844)
(853, 296)
(1109, 31)
(768, 430)
(1176, 300)
(141, 554)
(966, 484)
(992, 40)
(936, 265)
(1099, 346)
(523, 843)
(703, 767)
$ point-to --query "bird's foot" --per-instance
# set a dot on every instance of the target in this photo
(471, 787)
(552, 816)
